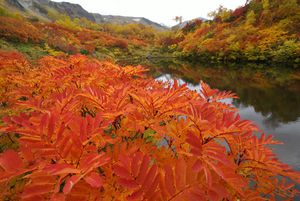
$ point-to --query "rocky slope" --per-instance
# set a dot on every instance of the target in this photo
(46, 9)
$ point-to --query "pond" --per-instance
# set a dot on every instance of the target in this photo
(269, 96)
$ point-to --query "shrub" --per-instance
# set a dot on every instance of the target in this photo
(18, 30)
(92, 130)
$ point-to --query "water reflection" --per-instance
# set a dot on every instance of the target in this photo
(268, 96)
(273, 93)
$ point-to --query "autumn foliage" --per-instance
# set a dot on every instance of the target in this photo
(19, 30)
(77, 38)
(90, 130)
(260, 31)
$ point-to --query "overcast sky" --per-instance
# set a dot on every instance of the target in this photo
(161, 11)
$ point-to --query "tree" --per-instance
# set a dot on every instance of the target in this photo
(251, 18)
(266, 5)
(221, 14)
(178, 19)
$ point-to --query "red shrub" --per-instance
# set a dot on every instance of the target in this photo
(90, 130)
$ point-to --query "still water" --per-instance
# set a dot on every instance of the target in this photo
(269, 96)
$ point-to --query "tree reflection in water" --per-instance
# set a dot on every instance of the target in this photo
(272, 92)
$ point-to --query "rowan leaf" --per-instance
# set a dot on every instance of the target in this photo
(10, 161)
(94, 180)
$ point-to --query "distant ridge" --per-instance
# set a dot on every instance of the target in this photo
(126, 20)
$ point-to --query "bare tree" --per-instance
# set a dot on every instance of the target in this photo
(178, 19)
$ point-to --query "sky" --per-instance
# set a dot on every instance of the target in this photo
(160, 11)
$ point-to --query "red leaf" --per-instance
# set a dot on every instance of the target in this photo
(127, 183)
(193, 140)
(58, 197)
(57, 169)
(143, 169)
(169, 180)
(10, 161)
(150, 177)
(197, 166)
(135, 163)
(213, 196)
(92, 161)
(36, 190)
(51, 126)
(122, 172)
(94, 180)
(208, 176)
(180, 172)
(152, 187)
(135, 195)
(70, 183)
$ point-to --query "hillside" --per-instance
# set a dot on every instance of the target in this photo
(35, 37)
(50, 10)
(260, 31)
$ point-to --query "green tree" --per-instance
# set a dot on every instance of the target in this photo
(266, 4)
(251, 18)
(222, 14)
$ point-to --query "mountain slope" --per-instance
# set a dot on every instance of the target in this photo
(72, 10)
(49, 10)
(115, 19)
